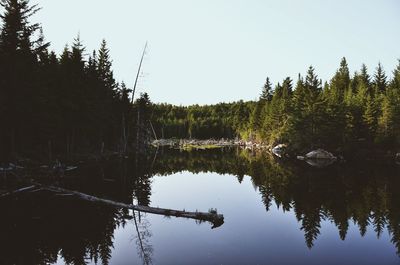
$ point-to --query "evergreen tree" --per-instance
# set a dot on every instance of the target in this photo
(370, 117)
(308, 111)
(278, 119)
(258, 114)
(365, 79)
(337, 120)
(388, 122)
(17, 58)
(380, 81)
(266, 93)
(340, 82)
(104, 67)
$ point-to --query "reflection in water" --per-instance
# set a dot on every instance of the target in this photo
(143, 235)
(40, 227)
(36, 231)
(363, 194)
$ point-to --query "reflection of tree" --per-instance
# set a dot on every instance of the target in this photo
(76, 230)
(143, 234)
(310, 224)
(36, 231)
(342, 194)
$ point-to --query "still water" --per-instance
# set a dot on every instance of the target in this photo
(275, 213)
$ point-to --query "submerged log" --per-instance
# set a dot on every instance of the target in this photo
(212, 216)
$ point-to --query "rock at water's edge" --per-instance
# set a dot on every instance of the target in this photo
(320, 154)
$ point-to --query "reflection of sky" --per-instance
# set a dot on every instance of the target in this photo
(250, 235)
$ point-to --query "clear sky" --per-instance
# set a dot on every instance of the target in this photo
(207, 51)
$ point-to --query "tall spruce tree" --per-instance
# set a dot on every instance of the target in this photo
(258, 114)
(17, 58)
(336, 109)
(380, 79)
(278, 120)
(340, 82)
(308, 114)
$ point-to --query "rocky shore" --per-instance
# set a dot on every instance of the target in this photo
(314, 157)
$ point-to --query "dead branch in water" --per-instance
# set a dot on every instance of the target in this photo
(212, 216)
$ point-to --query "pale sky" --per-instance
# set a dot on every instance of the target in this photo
(208, 51)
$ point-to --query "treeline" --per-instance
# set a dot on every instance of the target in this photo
(223, 120)
(58, 104)
(349, 110)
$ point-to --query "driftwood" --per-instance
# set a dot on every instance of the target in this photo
(216, 219)
(212, 216)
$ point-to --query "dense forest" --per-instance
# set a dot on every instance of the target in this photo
(59, 104)
(346, 112)
(71, 103)
(223, 120)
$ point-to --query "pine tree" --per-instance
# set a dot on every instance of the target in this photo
(104, 67)
(308, 112)
(258, 114)
(370, 117)
(278, 120)
(266, 93)
(380, 81)
(17, 58)
(395, 82)
(388, 123)
(365, 78)
(336, 112)
(340, 82)
(386, 119)
(108, 95)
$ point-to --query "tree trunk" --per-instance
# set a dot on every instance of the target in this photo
(212, 217)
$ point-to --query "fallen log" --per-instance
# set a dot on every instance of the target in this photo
(212, 216)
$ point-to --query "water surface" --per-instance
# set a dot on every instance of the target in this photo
(275, 213)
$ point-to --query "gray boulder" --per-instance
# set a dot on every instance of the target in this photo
(320, 154)
(318, 158)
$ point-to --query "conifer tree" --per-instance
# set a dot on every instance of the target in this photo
(278, 120)
(335, 110)
(266, 93)
(308, 112)
(340, 82)
(17, 57)
(370, 117)
(365, 78)
(380, 81)
(258, 114)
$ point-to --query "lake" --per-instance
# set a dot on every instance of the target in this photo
(275, 212)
